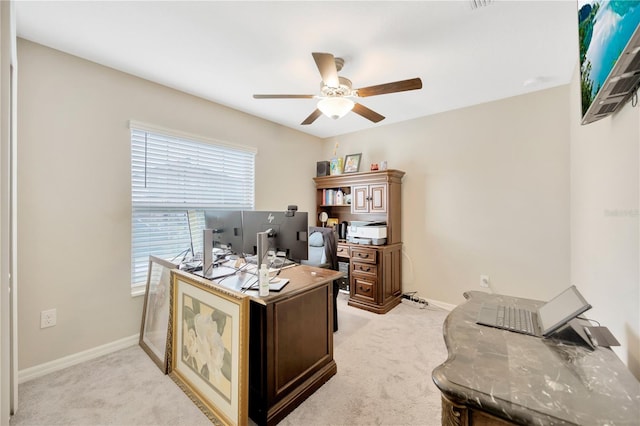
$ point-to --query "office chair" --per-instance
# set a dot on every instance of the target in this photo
(323, 253)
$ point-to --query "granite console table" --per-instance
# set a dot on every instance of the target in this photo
(497, 377)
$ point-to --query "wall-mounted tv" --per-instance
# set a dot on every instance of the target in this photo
(609, 37)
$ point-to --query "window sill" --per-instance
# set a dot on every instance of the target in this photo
(138, 290)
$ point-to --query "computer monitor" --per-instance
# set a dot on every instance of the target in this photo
(222, 235)
(196, 226)
(287, 232)
(225, 227)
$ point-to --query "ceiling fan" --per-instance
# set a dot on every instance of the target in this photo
(336, 92)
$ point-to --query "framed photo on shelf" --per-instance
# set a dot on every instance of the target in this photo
(210, 347)
(332, 222)
(352, 163)
(155, 311)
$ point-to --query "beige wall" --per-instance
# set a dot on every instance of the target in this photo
(604, 221)
(518, 190)
(74, 191)
(489, 189)
(486, 192)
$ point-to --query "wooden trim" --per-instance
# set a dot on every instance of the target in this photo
(381, 176)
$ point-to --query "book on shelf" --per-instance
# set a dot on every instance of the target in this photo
(330, 197)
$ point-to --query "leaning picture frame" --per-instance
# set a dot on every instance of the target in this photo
(332, 222)
(154, 326)
(352, 163)
(210, 347)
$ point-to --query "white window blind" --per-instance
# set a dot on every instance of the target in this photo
(172, 174)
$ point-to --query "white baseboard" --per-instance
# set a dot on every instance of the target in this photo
(443, 305)
(77, 358)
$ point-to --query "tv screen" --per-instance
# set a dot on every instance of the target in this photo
(605, 29)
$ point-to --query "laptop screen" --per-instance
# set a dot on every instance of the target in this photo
(561, 309)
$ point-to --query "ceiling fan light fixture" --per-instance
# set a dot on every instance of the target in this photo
(336, 91)
(335, 107)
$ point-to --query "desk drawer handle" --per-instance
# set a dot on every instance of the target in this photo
(363, 255)
(365, 289)
(365, 269)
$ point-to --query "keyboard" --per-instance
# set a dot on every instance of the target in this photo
(276, 262)
(515, 319)
(281, 262)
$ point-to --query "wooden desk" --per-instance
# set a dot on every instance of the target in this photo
(290, 342)
(498, 377)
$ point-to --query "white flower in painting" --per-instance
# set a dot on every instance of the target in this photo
(190, 342)
(210, 347)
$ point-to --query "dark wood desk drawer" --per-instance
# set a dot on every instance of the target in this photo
(364, 289)
(343, 251)
(364, 268)
(363, 254)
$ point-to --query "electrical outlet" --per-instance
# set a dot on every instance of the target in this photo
(484, 281)
(48, 318)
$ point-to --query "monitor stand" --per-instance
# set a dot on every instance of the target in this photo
(262, 247)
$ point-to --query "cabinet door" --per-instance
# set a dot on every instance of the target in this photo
(378, 198)
(360, 199)
(369, 198)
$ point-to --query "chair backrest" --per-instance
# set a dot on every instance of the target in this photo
(317, 253)
(330, 245)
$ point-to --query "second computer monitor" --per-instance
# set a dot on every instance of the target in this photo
(288, 233)
(225, 227)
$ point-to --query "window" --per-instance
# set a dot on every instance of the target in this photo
(172, 173)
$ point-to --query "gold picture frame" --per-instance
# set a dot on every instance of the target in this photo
(210, 347)
(155, 311)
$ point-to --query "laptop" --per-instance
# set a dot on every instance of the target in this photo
(546, 320)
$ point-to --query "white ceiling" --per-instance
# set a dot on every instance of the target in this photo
(227, 51)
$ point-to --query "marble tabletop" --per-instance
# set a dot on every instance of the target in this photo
(532, 380)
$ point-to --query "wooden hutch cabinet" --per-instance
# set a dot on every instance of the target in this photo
(375, 271)
(369, 198)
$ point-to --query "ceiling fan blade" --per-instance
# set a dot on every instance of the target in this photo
(311, 118)
(396, 86)
(284, 96)
(367, 113)
(327, 66)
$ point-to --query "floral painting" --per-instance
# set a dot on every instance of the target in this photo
(206, 340)
(209, 346)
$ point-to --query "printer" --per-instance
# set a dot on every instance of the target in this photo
(363, 232)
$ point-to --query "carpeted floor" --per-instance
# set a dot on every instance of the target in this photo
(384, 378)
